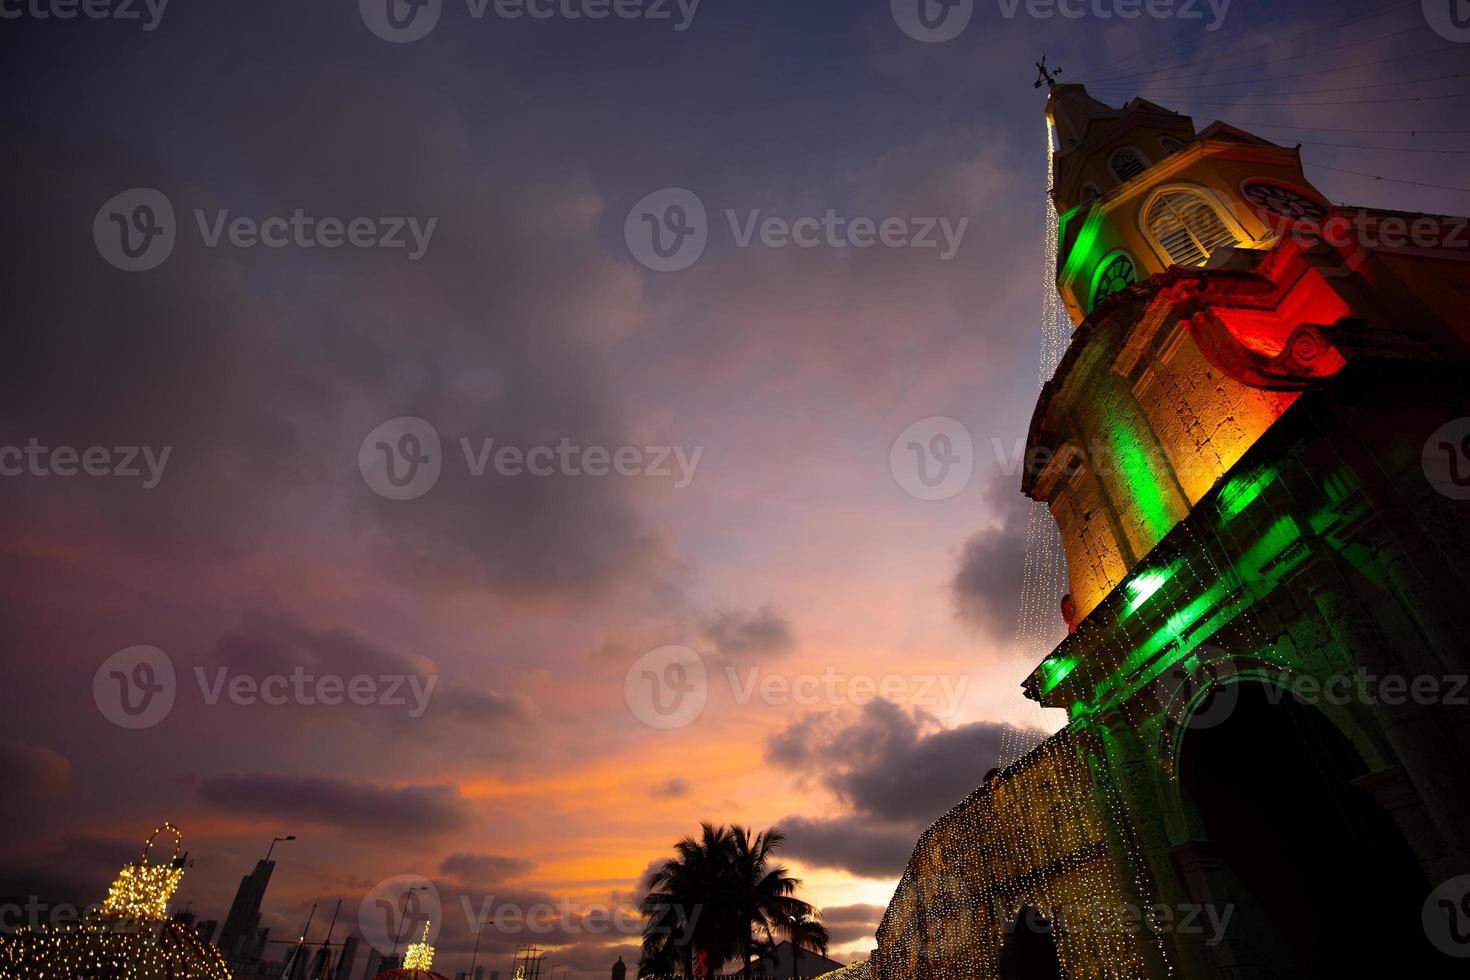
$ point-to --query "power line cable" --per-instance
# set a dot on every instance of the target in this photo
(1192, 71)
(1391, 149)
(1337, 129)
(1341, 88)
(1394, 180)
(1412, 98)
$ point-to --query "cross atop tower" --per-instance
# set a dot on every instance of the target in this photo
(1046, 77)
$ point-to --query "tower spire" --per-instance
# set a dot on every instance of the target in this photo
(1045, 76)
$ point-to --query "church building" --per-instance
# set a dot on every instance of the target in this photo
(1256, 449)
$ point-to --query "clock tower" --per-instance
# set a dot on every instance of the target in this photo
(1256, 450)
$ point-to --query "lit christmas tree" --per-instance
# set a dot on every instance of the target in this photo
(416, 962)
(129, 938)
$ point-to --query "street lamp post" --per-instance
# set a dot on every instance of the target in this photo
(398, 933)
(275, 841)
(475, 957)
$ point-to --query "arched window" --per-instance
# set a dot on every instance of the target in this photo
(1115, 273)
(1186, 227)
(1170, 145)
(1127, 163)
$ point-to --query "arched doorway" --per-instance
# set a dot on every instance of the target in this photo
(1030, 949)
(1324, 883)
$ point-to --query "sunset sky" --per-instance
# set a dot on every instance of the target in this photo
(793, 551)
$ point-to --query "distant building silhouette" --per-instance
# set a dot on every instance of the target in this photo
(242, 940)
(345, 961)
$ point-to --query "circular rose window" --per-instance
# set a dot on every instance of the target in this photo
(1283, 201)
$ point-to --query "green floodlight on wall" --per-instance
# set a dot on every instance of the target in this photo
(1242, 490)
(1143, 586)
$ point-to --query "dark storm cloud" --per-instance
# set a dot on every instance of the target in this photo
(32, 770)
(76, 870)
(896, 771)
(986, 587)
(888, 764)
(264, 369)
(853, 844)
(742, 632)
(280, 643)
(492, 709)
(183, 357)
(483, 868)
(266, 643)
(849, 923)
(338, 803)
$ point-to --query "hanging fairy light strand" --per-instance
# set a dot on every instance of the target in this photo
(1043, 571)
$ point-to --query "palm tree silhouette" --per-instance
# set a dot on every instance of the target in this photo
(686, 909)
(805, 932)
(708, 902)
(764, 893)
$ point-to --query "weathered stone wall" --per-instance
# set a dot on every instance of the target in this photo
(1031, 839)
(1155, 427)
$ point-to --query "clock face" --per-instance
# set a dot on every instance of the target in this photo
(1281, 200)
(1116, 275)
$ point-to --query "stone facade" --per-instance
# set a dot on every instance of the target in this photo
(1024, 842)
